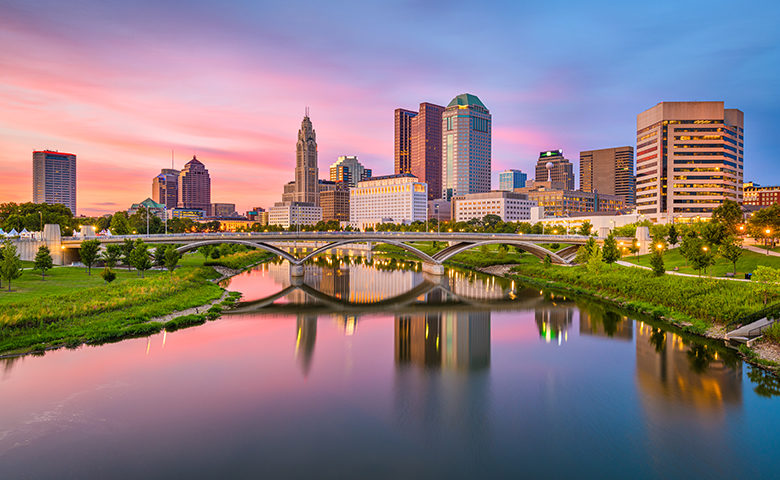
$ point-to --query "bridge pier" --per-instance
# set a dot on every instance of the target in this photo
(296, 270)
(433, 268)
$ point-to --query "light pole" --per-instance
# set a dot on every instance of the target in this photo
(41, 214)
(147, 221)
(438, 221)
(165, 214)
(767, 231)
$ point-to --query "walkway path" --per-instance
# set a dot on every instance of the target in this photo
(627, 264)
(760, 250)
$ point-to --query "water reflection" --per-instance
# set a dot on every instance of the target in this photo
(305, 338)
(671, 369)
(450, 340)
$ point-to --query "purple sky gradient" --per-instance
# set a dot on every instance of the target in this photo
(121, 84)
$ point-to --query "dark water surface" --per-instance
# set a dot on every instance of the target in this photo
(461, 377)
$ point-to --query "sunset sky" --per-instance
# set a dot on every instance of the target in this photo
(121, 84)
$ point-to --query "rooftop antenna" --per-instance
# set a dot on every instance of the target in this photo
(307, 111)
(171, 159)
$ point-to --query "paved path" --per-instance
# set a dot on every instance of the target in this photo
(760, 250)
(627, 264)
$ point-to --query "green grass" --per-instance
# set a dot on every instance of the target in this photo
(746, 264)
(698, 302)
(70, 308)
(61, 280)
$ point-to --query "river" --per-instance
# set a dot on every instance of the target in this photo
(385, 372)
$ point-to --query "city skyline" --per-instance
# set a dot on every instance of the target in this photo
(94, 89)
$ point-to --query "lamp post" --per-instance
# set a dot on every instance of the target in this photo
(767, 231)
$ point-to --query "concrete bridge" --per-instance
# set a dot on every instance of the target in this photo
(285, 244)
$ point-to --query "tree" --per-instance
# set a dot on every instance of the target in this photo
(585, 228)
(127, 250)
(172, 257)
(714, 233)
(120, 225)
(89, 253)
(729, 214)
(108, 275)
(159, 255)
(731, 250)
(11, 267)
(584, 253)
(595, 262)
(43, 260)
(490, 220)
(768, 280)
(673, 236)
(610, 252)
(657, 262)
(701, 258)
(139, 258)
(547, 260)
(111, 255)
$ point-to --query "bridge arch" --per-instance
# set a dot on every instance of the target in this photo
(417, 252)
(262, 246)
(532, 248)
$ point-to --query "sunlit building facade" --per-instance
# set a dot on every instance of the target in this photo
(388, 199)
(552, 166)
(349, 170)
(165, 187)
(759, 196)
(195, 186)
(510, 179)
(689, 159)
(609, 171)
(285, 214)
(511, 207)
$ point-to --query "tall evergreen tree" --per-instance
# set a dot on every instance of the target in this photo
(610, 252)
(11, 267)
(43, 260)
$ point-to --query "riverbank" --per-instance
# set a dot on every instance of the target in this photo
(110, 312)
(700, 306)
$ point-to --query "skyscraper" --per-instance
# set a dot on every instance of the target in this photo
(349, 170)
(306, 170)
(54, 178)
(689, 159)
(165, 187)
(553, 167)
(510, 179)
(608, 170)
(403, 140)
(195, 186)
(466, 134)
(425, 161)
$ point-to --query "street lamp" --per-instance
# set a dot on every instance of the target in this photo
(767, 231)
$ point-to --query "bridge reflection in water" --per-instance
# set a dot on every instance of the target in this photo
(444, 322)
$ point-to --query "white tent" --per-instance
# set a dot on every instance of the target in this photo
(13, 233)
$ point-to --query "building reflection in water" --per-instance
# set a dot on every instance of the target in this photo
(597, 321)
(553, 322)
(306, 337)
(449, 340)
(670, 370)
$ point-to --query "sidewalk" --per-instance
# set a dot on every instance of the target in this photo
(627, 264)
(760, 250)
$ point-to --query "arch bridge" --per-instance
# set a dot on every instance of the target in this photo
(284, 244)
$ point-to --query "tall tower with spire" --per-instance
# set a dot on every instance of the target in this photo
(306, 171)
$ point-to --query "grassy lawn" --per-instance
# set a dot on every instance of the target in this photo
(61, 280)
(746, 264)
(71, 308)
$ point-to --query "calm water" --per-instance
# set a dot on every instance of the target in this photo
(461, 377)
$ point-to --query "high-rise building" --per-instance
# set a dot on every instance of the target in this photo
(425, 162)
(689, 159)
(306, 170)
(510, 179)
(403, 140)
(222, 210)
(388, 199)
(466, 134)
(165, 187)
(608, 170)
(553, 167)
(349, 170)
(559, 202)
(195, 186)
(54, 178)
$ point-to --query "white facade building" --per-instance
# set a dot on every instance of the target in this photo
(511, 207)
(389, 199)
(294, 213)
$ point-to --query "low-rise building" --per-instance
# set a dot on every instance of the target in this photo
(388, 199)
(510, 206)
(440, 209)
(285, 214)
(600, 222)
(154, 208)
(559, 202)
(223, 210)
(258, 215)
(335, 203)
(756, 195)
(191, 213)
